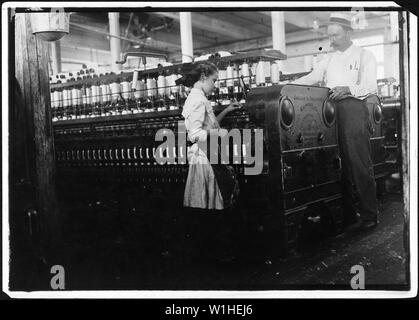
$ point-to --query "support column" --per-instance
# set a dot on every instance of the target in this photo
(278, 33)
(34, 109)
(56, 57)
(186, 36)
(391, 54)
(404, 124)
(114, 30)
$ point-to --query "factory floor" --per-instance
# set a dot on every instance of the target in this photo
(124, 255)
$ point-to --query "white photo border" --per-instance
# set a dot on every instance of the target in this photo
(189, 294)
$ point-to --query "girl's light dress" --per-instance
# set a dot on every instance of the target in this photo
(201, 190)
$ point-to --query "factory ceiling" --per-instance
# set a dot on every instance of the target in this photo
(212, 31)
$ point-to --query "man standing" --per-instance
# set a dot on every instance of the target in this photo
(350, 71)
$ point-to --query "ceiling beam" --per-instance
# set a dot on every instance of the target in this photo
(88, 20)
(174, 39)
(162, 41)
(299, 19)
(294, 37)
(225, 28)
(298, 44)
(165, 45)
(263, 42)
(306, 19)
(259, 23)
(87, 40)
(84, 55)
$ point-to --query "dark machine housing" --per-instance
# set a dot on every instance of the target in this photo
(112, 159)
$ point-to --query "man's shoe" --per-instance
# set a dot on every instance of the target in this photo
(362, 225)
(350, 220)
(354, 226)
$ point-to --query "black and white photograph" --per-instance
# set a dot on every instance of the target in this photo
(209, 150)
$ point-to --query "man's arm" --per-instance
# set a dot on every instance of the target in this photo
(315, 76)
(368, 76)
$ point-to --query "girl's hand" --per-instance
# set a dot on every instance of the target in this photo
(233, 106)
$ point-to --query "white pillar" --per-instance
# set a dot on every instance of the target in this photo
(114, 29)
(278, 33)
(394, 26)
(391, 51)
(186, 36)
(56, 57)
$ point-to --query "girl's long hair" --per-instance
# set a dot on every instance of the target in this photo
(191, 73)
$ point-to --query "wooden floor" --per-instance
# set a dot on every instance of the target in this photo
(169, 260)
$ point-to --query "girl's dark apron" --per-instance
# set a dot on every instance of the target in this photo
(224, 174)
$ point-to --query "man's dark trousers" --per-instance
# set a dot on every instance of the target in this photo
(357, 170)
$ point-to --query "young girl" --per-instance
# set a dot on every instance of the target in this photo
(208, 186)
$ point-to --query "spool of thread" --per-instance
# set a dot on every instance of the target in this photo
(260, 74)
(222, 75)
(134, 79)
(155, 92)
(236, 79)
(139, 89)
(267, 72)
(150, 87)
(115, 90)
(84, 95)
(80, 96)
(168, 85)
(230, 76)
(161, 85)
(60, 99)
(253, 68)
(74, 96)
(52, 97)
(245, 73)
(104, 92)
(95, 93)
(88, 95)
(66, 98)
(56, 99)
(126, 90)
(108, 91)
(235, 74)
(275, 73)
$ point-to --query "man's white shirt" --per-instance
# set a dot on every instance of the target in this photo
(347, 69)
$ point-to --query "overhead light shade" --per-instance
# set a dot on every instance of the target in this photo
(50, 26)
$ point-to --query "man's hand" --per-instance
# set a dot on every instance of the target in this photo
(338, 93)
(222, 132)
